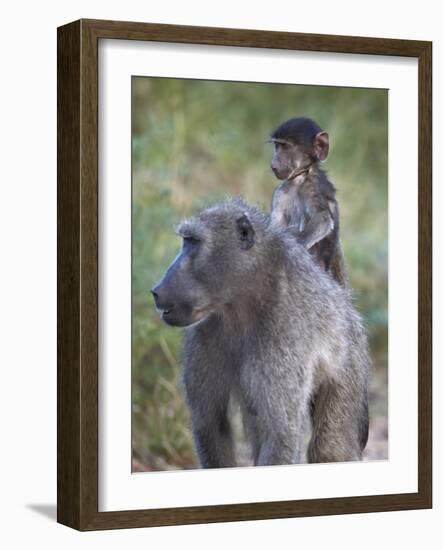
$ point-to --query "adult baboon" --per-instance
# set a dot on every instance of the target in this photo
(267, 326)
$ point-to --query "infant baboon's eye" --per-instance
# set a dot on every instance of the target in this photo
(282, 145)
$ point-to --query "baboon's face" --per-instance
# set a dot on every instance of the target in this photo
(209, 271)
(299, 152)
(287, 158)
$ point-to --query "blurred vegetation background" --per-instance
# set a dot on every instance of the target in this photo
(193, 143)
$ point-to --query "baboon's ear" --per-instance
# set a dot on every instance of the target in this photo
(321, 145)
(245, 232)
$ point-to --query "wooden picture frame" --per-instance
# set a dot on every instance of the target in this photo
(77, 431)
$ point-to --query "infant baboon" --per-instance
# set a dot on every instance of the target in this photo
(268, 327)
(305, 201)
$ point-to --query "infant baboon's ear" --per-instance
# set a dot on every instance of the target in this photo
(245, 232)
(321, 145)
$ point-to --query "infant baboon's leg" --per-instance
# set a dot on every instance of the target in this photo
(339, 423)
(338, 267)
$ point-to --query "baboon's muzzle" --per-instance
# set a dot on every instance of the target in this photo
(278, 173)
(172, 310)
(171, 297)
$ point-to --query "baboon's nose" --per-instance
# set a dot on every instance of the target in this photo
(155, 295)
(162, 301)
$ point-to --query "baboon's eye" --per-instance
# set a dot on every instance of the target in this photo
(190, 240)
(245, 232)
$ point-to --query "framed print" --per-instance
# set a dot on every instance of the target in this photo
(244, 275)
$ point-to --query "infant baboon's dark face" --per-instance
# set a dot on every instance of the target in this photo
(287, 158)
(297, 143)
(210, 269)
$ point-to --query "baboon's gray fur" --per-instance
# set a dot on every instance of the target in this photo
(267, 326)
